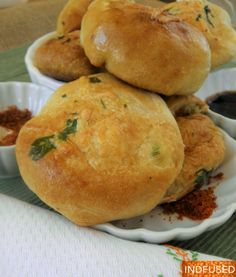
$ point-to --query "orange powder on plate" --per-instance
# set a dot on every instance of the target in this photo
(197, 205)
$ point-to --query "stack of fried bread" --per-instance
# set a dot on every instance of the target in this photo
(115, 144)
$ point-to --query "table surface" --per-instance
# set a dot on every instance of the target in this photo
(25, 22)
(219, 242)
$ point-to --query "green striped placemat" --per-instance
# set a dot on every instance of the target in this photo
(12, 67)
(219, 242)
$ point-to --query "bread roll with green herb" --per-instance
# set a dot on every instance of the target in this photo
(204, 152)
(156, 52)
(213, 21)
(100, 150)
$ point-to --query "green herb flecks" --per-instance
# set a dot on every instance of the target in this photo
(103, 104)
(155, 151)
(71, 127)
(174, 255)
(208, 13)
(94, 79)
(64, 95)
(66, 41)
(202, 177)
(194, 256)
(172, 11)
(198, 17)
(41, 146)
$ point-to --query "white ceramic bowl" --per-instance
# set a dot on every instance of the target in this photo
(219, 81)
(23, 95)
(35, 75)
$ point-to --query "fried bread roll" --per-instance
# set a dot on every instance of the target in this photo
(63, 58)
(101, 150)
(186, 105)
(71, 16)
(213, 21)
(204, 152)
(160, 53)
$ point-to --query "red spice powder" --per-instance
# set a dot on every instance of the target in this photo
(13, 119)
(197, 205)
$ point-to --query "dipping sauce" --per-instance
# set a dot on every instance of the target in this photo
(11, 121)
(223, 103)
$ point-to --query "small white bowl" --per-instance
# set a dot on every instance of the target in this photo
(219, 81)
(24, 96)
(35, 75)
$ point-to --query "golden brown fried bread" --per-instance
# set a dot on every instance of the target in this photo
(204, 152)
(101, 150)
(186, 105)
(63, 58)
(153, 52)
(71, 16)
(213, 21)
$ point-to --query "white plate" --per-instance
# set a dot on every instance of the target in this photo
(35, 75)
(219, 81)
(155, 227)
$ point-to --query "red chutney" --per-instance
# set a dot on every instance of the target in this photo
(197, 205)
(13, 119)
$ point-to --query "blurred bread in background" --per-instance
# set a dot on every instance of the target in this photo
(213, 21)
(160, 53)
(229, 6)
(71, 16)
